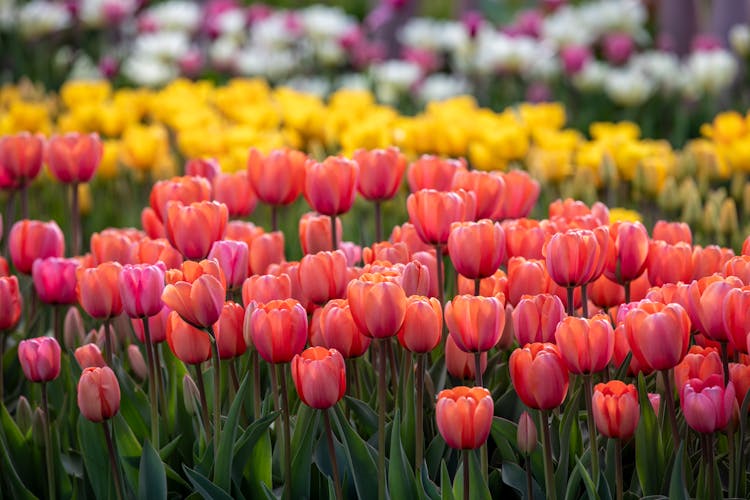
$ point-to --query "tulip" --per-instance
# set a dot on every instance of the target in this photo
(628, 253)
(278, 178)
(141, 287)
(605, 293)
(192, 229)
(521, 193)
(707, 404)
(278, 330)
(669, 263)
(10, 313)
(198, 303)
(21, 157)
(739, 374)
(232, 257)
(113, 245)
(319, 376)
(700, 363)
(157, 326)
(488, 189)
(738, 266)
(616, 409)
(98, 290)
(658, 334)
(526, 438)
(406, 233)
(419, 277)
(432, 213)
(461, 364)
(152, 225)
(73, 331)
(235, 191)
(98, 394)
(203, 167)
(339, 331)
(323, 276)
(709, 260)
(432, 172)
(586, 345)
(380, 172)
(378, 304)
(188, 343)
(476, 248)
(526, 277)
(706, 300)
(735, 318)
(315, 233)
(539, 375)
(265, 250)
(186, 190)
(423, 323)
(395, 253)
(488, 287)
(524, 238)
(672, 232)
(40, 358)
(136, 362)
(89, 355)
(192, 270)
(30, 240)
(74, 157)
(152, 251)
(535, 318)
(228, 330)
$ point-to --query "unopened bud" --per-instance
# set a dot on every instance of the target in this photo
(728, 223)
(655, 400)
(73, 331)
(737, 185)
(710, 217)
(668, 198)
(137, 364)
(23, 414)
(526, 437)
(692, 211)
(190, 395)
(37, 426)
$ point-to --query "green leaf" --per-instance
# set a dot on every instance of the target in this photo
(515, 476)
(303, 442)
(152, 481)
(649, 452)
(429, 488)
(223, 464)
(503, 430)
(478, 489)
(244, 446)
(362, 467)
(587, 481)
(677, 489)
(258, 469)
(365, 415)
(128, 449)
(207, 489)
(569, 431)
(10, 476)
(401, 483)
(95, 458)
(445, 482)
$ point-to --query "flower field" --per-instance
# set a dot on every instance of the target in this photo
(227, 278)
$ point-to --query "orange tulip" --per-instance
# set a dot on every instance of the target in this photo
(377, 303)
(266, 250)
(407, 233)
(464, 416)
(432, 213)
(524, 238)
(89, 355)
(709, 260)
(323, 276)
(706, 301)
(315, 233)
(699, 362)
(192, 229)
(186, 190)
(476, 248)
(229, 331)
(203, 167)
(99, 290)
(658, 334)
(577, 257)
(432, 172)
(605, 293)
(113, 245)
(319, 376)
(198, 303)
(628, 251)
(536, 317)
(192, 270)
(74, 157)
(672, 232)
(380, 172)
(330, 186)
(526, 277)
(235, 191)
(152, 225)
(149, 251)
(266, 287)
(738, 266)
(278, 330)
(395, 253)
(669, 263)
(539, 375)
(488, 189)
(586, 345)
(339, 331)
(476, 323)
(189, 344)
(488, 287)
(278, 178)
(521, 194)
(739, 374)
(21, 157)
(98, 394)
(32, 239)
(423, 324)
(735, 317)
(616, 409)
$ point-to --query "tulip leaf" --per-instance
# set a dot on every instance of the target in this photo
(20, 448)
(434, 455)
(677, 489)
(128, 448)
(478, 488)
(258, 469)
(649, 452)
(568, 432)
(362, 467)
(223, 463)
(401, 482)
(428, 489)
(515, 476)
(206, 489)
(366, 416)
(445, 482)
(152, 481)
(243, 448)
(10, 476)
(742, 478)
(622, 370)
(95, 458)
(587, 481)
(504, 430)
(303, 441)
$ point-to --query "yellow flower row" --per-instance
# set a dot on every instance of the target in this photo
(146, 129)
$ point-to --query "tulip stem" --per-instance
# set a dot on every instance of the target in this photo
(626, 285)
(233, 375)
(732, 459)
(217, 391)
(9, 216)
(378, 222)
(204, 402)
(116, 472)
(381, 419)
(48, 444)
(254, 359)
(160, 388)
(593, 445)
(24, 192)
(332, 454)
(618, 469)
(274, 218)
(529, 478)
(478, 369)
(75, 220)
(549, 471)
(56, 324)
(394, 368)
(107, 343)
(151, 383)
(477, 287)
(287, 434)
(669, 396)
(275, 388)
(708, 448)
(725, 361)
(440, 276)
(419, 404)
(585, 301)
(571, 302)
(466, 474)
(334, 238)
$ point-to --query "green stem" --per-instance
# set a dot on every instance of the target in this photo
(24, 191)
(571, 302)
(204, 403)
(274, 218)
(529, 479)
(57, 324)
(440, 274)
(709, 444)
(113, 462)
(217, 391)
(381, 420)
(378, 222)
(549, 469)
(467, 480)
(160, 389)
(151, 384)
(75, 219)
(732, 460)
(419, 404)
(585, 301)
(478, 369)
(725, 361)
(2, 368)
(593, 445)
(477, 286)
(334, 240)
(48, 444)
(618, 469)
(332, 454)
(107, 342)
(254, 359)
(669, 396)
(627, 292)
(287, 434)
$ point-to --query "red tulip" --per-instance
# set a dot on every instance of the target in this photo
(98, 290)
(229, 331)
(323, 276)
(98, 394)
(279, 177)
(198, 303)
(208, 168)
(21, 157)
(535, 318)
(521, 194)
(267, 287)
(476, 248)
(330, 186)
(319, 375)
(55, 280)
(10, 298)
(738, 266)
(586, 345)
(616, 409)
(464, 416)
(706, 404)
(189, 344)
(279, 330)
(672, 232)
(700, 363)
(706, 302)
(735, 317)
(378, 304)
(380, 172)
(628, 252)
(577, 257)
(488, 189)
(89, 355)
(40, 358)
(232, 257)
(432, 172)
(30, 240)
(235, 191)
(423, 324)
(739, 374)
(339, 331)
(74, 157)
(186, 190)
(539, 375)
(432, 213)
(192, 229)
(476, 323)
(669, 263)
(526, 277)
(460, 364)
(658, 334)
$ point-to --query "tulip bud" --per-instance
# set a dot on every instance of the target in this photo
(40, 358)
(728, 223)
(190, 394)
(24, 414)
(137, 363)
(526, 435)
(37, 427)
(98, 394)
(73, 330)
(89, 355)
